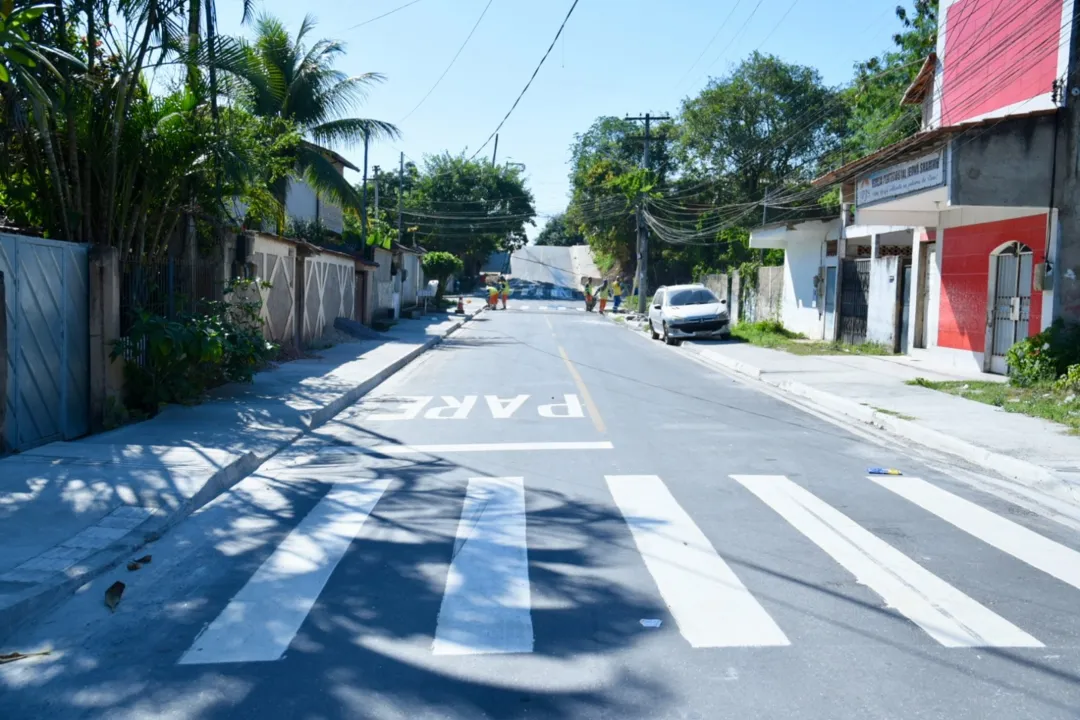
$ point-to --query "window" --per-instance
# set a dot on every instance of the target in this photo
(693, 296)
(658, 298)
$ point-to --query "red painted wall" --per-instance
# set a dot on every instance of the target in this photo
(998, 53)
(965, 275)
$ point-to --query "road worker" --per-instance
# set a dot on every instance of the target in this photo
(588, 295)
(504, 290)
(616, 293)
(493, 295)
(603, 293)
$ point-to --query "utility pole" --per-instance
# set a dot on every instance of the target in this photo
(401, 200)
(363, 200)
(642, 229)
(764, 221)
(375, 179)
(495, 152)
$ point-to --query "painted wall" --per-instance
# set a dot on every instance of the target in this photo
(998, 58)
(275, 262)
(965, 273)
(329, 284)
(882, 302)
(301, 202)
(414, 276)
(802, 310)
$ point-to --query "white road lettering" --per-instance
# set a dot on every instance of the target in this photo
(410, 409)
(569, 409)
(502, 409)
(458, 410)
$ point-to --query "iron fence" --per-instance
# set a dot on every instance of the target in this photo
(168, 287)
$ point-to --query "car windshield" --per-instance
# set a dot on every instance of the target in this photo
(695, 296)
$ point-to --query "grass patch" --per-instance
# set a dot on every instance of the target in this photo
(1041, 401)
(886, 411)
(771, 334)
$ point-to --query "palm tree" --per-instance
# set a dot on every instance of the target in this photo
(300, 84)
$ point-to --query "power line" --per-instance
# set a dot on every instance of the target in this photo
(452, 61)
(709, 44)
(525, 89)
(380, 17)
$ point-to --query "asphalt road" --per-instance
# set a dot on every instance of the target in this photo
(548, 517)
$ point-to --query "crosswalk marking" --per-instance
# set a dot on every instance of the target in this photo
(1037, 551)
(946, 614)
(261, 620)
(489, 447)
(486, 607)
(711, 606)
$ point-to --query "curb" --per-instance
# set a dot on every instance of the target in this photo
(1027, 473)
(43, 596)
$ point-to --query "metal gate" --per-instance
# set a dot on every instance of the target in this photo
(854, 291)
(48, 353)
(1011, 268)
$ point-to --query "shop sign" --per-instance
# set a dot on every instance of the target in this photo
(916, 175)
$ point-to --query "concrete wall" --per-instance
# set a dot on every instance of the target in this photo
(801, 307)
(1005, 165)
(769, 294)
(329, 287)
(882, 304)
(275, 263)
(413, 278)
(303, 203)
(306, 303)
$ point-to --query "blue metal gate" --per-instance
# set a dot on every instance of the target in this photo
(48, 353)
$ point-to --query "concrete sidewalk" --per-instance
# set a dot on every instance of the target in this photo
(1036, 453)
(69, 511)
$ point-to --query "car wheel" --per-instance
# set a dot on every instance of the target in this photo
(725, 336)
(668, 339)
(652, 331)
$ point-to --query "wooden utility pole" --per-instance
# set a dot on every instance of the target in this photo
(642, 229)
(401, 201)
(363, 199)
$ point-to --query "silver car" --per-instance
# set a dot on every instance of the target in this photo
(682, 312)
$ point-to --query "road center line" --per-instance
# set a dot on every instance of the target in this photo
(594, 412)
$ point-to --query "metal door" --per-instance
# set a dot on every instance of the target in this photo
(905, 312)
(854, 306)
(830, 303)
(1011, 269)
(48, 340)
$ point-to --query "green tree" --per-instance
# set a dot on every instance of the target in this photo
(876, 118)
(291, 80)
(469, 208)
(558, 232)
(440, 265)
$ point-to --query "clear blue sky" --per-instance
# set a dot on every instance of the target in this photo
(616, 57)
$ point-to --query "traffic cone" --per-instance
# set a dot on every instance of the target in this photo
(460, 306)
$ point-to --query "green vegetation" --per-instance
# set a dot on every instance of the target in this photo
(773, 335)
(440, 265)
(1045, 400)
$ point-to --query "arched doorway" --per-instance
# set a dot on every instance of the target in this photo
(1010, 298)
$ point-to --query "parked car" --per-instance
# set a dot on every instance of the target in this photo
(683, 312)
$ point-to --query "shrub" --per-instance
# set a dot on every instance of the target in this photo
(177, 361)
(1070, 381)
(1045, 356)
(440, 266)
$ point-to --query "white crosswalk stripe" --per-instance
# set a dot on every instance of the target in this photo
(710, 604)
(1037, 551)
(946, 614)
(486, 606)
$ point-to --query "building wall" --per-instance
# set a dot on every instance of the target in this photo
(414, 277)
(329, 285)
(965, 274)
(801, 308)
(275, 263)
(303, 203)
(882, 304)
(999, 58)
(1007, 164)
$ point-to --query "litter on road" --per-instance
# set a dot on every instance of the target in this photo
(651, 622)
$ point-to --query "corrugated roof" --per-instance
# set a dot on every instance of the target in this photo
(922, 83)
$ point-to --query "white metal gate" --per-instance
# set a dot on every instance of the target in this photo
(48, 355)
(1011, 270)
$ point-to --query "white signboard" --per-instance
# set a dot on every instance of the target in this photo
(921, 173)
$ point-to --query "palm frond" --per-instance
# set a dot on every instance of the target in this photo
(351, 131)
